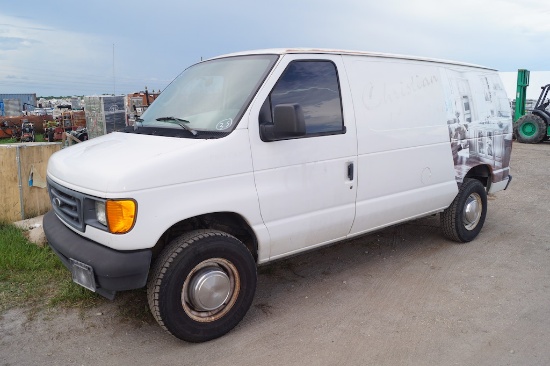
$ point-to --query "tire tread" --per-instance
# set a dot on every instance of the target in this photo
(449, 218)
(541, 125)
(161, 265)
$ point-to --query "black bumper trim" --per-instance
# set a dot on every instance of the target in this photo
(114, 270)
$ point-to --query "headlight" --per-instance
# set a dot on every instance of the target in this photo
(118, 215)
(100, 212)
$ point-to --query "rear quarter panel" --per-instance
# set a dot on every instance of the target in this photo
(479, 121)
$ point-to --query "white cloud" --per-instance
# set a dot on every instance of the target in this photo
(526, 15)
(505, 34)
(153, 46)
(537, 80)
(34, 54)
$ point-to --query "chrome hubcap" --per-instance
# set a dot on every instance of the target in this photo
(472, 211)
(209, 289)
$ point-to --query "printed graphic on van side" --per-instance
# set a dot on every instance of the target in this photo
(404, 107)
(480, 132)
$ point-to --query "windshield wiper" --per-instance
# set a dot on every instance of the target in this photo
(180, 123)
(172, 119)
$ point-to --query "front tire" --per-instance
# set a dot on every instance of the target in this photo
(530, 129)
(202, 285)
(463, 219)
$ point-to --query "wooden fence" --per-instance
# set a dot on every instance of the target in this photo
(22, 180)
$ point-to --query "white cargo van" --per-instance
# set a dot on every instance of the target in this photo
(254, 156)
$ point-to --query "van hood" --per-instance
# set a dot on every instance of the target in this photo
(124, 162)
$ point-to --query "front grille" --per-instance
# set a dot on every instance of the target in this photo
(67, 204)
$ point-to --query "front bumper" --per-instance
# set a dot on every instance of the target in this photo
(113, 270)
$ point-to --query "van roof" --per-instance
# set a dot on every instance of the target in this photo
(282, 51)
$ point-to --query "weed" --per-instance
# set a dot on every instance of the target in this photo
(33, 277)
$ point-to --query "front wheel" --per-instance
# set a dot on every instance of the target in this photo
(202, 285)
(463, 219)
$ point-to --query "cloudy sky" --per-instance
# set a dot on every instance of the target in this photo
(66, 48)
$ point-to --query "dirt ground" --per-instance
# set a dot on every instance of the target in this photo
(401, 296)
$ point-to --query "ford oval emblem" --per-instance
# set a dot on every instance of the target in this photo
(57, 202)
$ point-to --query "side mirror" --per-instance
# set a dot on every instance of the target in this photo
(288, 122)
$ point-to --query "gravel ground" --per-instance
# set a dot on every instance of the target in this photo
(401, 296)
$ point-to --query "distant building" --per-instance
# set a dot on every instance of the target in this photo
(104, 114)
(137, 103)
(17, 104)
(75, 103)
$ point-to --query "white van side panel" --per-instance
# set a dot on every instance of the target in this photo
(390, 192)
(479, 121)
(405, 164)
(398, 103)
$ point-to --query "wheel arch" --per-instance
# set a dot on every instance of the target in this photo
(229, 222)
(483, 173)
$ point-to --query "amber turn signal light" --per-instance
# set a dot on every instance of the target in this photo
(121, 215)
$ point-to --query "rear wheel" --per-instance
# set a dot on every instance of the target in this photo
(463, 219)
(202, 285)
(530, 129)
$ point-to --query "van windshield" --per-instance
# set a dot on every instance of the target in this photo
(209, 98)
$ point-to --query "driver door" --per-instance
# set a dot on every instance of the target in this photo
(306, 185)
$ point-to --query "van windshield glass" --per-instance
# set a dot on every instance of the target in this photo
(210, 97)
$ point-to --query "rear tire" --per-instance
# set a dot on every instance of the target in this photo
(202, 285)
(530, 129)
(463, 219)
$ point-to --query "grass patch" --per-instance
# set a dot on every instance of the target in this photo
(7, 141)
(34, 277)
(38, 138)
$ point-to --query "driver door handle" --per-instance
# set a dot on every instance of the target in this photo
(350, 171)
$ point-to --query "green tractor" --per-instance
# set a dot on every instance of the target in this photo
(534, 127)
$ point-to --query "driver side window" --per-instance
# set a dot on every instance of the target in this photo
(314, 86)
